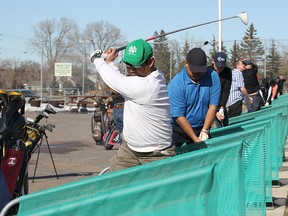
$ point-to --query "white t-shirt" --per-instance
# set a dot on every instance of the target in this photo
(147, 122)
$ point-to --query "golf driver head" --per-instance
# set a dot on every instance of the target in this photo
(243, 17)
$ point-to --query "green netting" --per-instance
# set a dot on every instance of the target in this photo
(196, 183)
(267, 123)
(275, 137)
(279, 131)
(254, 165)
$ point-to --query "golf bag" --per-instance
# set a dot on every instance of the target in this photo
(12, 147)
(110, 138)
(99, 122)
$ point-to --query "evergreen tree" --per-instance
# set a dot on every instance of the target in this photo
(178, 57)
(235, 54)
(284, 68)
(162, 55)
(251, 45)
(213, 49)
(273, 61)
(184, 53)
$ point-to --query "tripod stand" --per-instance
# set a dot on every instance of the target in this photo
(44, 139)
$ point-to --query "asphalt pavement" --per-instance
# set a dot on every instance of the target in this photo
(74, 152)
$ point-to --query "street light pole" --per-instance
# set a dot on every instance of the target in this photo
(41, 73)
(171, 61)
(83, 75)
(220, 25)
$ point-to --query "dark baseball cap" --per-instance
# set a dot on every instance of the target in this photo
(220, 59)
(197, 60)
(247, 61)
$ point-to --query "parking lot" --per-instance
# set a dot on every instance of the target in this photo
(75, 153)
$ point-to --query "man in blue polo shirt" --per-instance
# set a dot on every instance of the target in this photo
(194, 96)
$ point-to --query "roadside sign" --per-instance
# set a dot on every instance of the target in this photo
(63, 69)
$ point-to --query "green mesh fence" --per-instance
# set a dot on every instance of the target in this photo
(254, 166)
(210, 181)
(269, 122)
(279, 128)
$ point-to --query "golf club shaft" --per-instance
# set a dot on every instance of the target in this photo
(172, 32)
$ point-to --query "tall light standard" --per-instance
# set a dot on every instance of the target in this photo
(220, 25)
(41, 73)
(83, 75)
(171, 62)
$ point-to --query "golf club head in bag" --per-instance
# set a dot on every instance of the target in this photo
(50, 109)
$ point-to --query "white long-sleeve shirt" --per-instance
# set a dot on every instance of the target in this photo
(147, 122)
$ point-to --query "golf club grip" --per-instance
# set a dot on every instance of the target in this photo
(120, 48)
(123, 47)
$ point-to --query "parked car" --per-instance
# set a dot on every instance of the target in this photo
(28, 93)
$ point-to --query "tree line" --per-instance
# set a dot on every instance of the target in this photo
(57, 41)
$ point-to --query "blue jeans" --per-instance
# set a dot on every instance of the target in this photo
(256, 105)
(118, 121)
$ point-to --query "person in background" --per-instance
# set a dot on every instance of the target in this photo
(118, 110)
(147, 131)
(237, 91)
(272, 92)
(225, 75)
(194, 96)
(280, 82)
(252, 86)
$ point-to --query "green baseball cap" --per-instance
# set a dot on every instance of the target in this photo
(137, 52)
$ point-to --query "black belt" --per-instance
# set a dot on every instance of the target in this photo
(118, 105)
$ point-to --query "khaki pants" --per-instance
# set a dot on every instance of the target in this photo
(126, 158)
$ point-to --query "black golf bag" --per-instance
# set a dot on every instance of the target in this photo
(12, 147)
(110, 138)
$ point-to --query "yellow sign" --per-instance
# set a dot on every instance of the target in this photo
(63, 69)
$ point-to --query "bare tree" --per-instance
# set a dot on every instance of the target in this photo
(52, 40)
(102, 35)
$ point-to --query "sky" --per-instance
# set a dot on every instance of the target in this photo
(140, 19)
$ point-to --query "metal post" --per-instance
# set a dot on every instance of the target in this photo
(83, 75)
(171, 58)
(265, 60)
(41, 73)
(220, 25)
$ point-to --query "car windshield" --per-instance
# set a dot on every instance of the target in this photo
(27, 92)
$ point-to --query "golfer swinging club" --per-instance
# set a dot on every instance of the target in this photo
(147, 132)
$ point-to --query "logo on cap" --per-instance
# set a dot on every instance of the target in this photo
(220, 59)
(132, 49)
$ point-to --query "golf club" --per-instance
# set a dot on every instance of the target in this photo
(243, 17)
